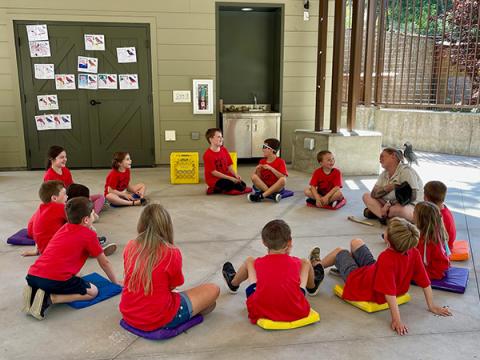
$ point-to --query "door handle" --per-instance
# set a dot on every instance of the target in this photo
(95, 102)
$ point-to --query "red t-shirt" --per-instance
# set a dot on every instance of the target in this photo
(66, 176)
(269, 177)
(323, 182)
(66, 253)
(391, 274)
(449, 222)
(150, 312)
(436, 261)
(219, 161)
(45, 222)
(278, 295)
(117, 180)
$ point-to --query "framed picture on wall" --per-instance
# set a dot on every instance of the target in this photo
(203, 96)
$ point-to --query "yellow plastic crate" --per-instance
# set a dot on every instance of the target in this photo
(233, 155)
(184, 168)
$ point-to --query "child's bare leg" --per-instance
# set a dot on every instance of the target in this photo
(277, 187)
(117, 200)
(336, 196)
(329, 259)
(203, 298)
(307, 276)
(405, 212)
(355, 244)
(30, 252)
(139, 189)
(241, 275)
(91, 294)
(259, 183)
(308, 193)
(374, 205)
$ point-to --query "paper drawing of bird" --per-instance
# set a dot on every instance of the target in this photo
(130, 52)
(409, 154)
(40, 120)
(65, 119)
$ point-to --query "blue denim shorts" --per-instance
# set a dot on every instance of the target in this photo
(184, 312)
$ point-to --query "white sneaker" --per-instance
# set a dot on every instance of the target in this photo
(278, 197)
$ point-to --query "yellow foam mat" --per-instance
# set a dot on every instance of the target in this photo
(267, 324)
(367, 305)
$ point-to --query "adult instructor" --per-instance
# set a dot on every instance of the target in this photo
(381, 202)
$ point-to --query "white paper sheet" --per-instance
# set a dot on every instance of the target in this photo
(87, 81)
(94, 42)
(44, 71)
(37, 32)
(63, 121)
(39, 49)
(47, 102)
(53, 122)
(128, 81)
(87, 64)
(65, 81)
(107, 81)
(126, 55)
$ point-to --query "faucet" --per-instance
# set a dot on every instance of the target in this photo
(255, 101)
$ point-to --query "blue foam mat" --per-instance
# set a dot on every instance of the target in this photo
(455, 280)
(106, 290)
(162, 334)
(20, 238)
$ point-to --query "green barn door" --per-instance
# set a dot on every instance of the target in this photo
(103, 120)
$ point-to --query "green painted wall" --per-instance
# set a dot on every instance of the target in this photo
(183, 41)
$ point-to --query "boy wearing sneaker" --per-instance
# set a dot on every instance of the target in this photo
(53, 279)
(278, 281)
(270, 175)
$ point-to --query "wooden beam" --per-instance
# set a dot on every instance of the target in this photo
(321, 65)
(355, 62)
(369, 52)
(380, 54)
(337, 70)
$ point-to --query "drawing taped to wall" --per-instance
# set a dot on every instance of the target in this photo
(47, 102)
(87, 64)
(94, 42)
(65, 81)
(128, 81)
(37, 32)
(203, 96)
(53, 122)
(44, 71)
(126, 55)
(39, 49)
(87, 81)
(107, 81)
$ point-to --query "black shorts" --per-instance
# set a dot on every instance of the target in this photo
(74, 285)
(346, 263)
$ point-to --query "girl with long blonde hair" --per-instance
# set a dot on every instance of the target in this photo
(153, 270)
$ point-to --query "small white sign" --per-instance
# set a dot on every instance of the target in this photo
(53, 122)
(44, 71)
(47, 102)
(39, 48)
(107, 81)
(65, 81)
(128, 81)
(94, 42)
(182, 96)
(127, 55)
(37, 32)
(87, 64)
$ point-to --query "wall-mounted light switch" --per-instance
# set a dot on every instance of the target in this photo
(195, 135)
(170, 135)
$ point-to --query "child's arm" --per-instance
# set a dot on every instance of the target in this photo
(220, 175)
(232, 170)
(397, 324)
(274, 171)
(122, 194)
(437, 310)
(107, 268)
(316, 195)
(31, 252)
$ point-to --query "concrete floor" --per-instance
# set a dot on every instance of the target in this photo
(213, 229)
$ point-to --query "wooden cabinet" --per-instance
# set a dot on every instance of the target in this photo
(244, 133)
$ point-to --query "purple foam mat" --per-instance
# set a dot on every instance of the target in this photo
(286, 193)
(20, 238)
(455, 280)
(161, 334)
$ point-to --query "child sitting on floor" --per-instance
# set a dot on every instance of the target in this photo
(53, 279)
(435, 192)
(270, 175)
(118, 190)
(390, 276)
(49, 217)
(433, 239)
(153, 269)
(219, 173)
(325, 183)
(56, 169)
(278, 281)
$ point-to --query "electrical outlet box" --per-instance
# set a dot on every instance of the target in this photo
(309, 143)
(181, 96)
(195, 135)
(170, 135)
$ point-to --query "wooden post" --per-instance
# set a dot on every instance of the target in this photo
(355, 62)
(369, 48)
(380, 54)
(321, 65)
(337, 71)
